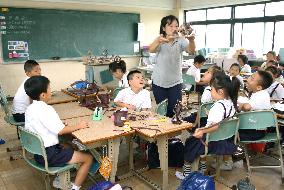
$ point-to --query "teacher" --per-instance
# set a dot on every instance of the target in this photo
(167, 73)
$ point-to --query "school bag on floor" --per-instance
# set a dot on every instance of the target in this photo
(107, 185)
(244, 184)
(197, 181)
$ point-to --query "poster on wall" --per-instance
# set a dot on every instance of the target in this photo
(18, 49)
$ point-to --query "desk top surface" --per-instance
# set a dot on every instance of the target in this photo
(147, 123)
(71, 110)
(59, 97)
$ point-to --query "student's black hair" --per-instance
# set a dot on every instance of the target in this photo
(29, 65)
(243, 58)
(113, 66)
(216, 69)
(274, 70)
(236, 65)
(199, 59)
(36, 85)
(231, 87)
(265, 79)
(167, 20)
(131, 73)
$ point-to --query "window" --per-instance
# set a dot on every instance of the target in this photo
(249, 11)
(268, 36)
(218, 36)
(200, 31)
(252, 36)
(199, 15)
(219, 13)
(279, 37)
(275, 8)
(238, 35)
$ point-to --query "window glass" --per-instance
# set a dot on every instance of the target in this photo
(199, 15)
(249, 11)
(275, 8)
(279, 37)
(218, 36)
(200, 31)
(268, 37)
(252, 36)
(219, 13)
(238, 35)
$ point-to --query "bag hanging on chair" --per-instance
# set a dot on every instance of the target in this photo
(197, 181)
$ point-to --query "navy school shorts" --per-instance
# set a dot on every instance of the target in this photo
(57, 156)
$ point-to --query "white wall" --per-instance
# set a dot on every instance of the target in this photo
(62, 74)
(196, 4)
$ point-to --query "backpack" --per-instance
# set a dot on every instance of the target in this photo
(197, 181)
(244, 184)
(175, 153)
(107, 185)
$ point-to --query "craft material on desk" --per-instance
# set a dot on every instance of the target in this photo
(59, 97)
(71, 110)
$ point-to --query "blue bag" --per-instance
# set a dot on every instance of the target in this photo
(197, 181)
(104, 185)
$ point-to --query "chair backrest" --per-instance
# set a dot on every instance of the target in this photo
(116, 91)
(161, 108)
(188, 79)
(258, 120)
(204, 109)
(4, 102)
(32, 143)
(106, 76)
(226, 130)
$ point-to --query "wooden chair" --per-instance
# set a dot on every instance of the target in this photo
(32, 143)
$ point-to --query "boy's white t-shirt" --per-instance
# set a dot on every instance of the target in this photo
(217, 111)
(42, 119)
(21, 100)
(123, 83)
(260, 100)
(276, 89)
(193, 71)
(140, 100)
(206, 95)
(246, 69)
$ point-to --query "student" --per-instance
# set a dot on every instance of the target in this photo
(167, 76)
(21, 100)
(118, 70)
(225, 92)
(43, 120)
(270, 56)
(243, 61)
(259, 100)
(207, 77)
(134, 97)
(276, 90)
(194, 70)
(234, 71)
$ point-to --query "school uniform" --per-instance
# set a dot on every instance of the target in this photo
(167, 73)
(140, 100)
(123, 82)
(276, 90)
(241, 80)
(193, 71)
(258, 101)
(43, 120)
(206, 95)
(20, 103)
(246, 69)
(193, 146)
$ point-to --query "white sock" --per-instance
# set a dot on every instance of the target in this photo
(75, 187)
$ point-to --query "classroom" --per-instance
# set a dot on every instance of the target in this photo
(164, 94)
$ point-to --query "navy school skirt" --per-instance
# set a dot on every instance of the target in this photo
(194, 148)
(57, 156)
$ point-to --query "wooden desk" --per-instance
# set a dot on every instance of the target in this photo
(71, 110)
(59, 97)
(101, 133)
(166, 130)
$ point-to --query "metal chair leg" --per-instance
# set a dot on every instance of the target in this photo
(47, 181)
(281, 162)
(247, 159)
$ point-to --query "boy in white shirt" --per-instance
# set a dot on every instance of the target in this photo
(43, 120)
(243, 61)
(21, 100)
(276, 90)
(194, 70)
(259, 100)
(118, 70)
(134, 97)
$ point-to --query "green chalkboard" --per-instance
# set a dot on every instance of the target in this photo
(48, 33)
